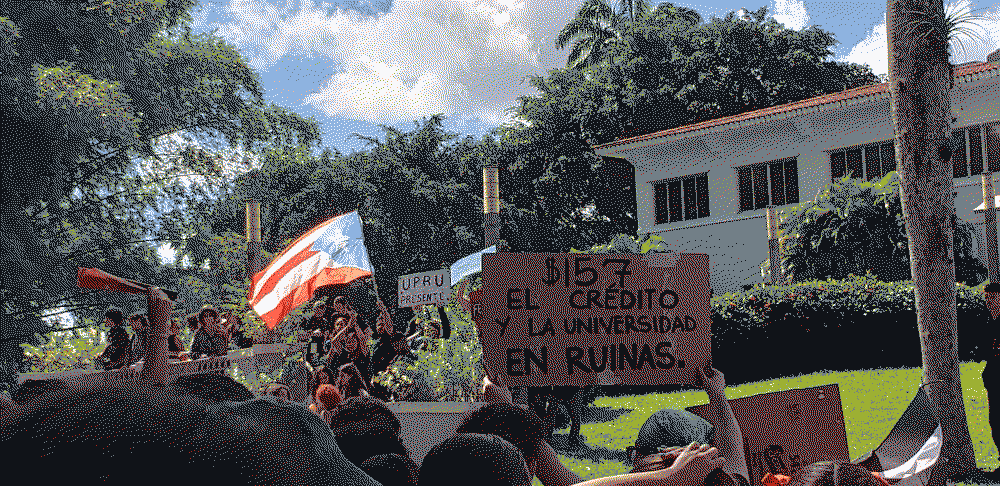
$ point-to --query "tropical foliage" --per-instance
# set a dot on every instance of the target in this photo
(855, 227)
(96, 183)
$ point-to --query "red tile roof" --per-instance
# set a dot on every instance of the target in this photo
(962, 74)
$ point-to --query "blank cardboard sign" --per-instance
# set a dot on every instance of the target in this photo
(785, 430)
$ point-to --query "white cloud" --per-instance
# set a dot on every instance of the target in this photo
(457, 57)
(792, 13)
(874, 51)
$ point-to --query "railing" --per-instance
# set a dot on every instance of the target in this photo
(246, 359)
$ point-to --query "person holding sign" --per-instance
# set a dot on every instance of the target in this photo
(691, 465)
(727, 435)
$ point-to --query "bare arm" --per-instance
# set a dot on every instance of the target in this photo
(551, 471)
(690, 468)
(728, 436)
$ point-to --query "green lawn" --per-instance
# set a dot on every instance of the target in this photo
(872, 400)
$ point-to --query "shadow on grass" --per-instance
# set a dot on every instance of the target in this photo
(576, 447)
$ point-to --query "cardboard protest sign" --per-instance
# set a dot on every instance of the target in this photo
(426, 288)
(786, 430)
(582, 319)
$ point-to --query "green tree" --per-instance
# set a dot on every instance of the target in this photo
(595, 26)
(854, 226)
(90, 88)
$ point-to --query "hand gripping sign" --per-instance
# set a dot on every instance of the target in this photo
(581, 319)
(786, 430)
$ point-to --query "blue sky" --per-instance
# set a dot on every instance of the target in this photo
(356, 64)
(359, 63)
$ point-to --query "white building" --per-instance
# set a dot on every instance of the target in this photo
(704, 187)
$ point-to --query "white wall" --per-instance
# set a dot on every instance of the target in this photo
(737, 241)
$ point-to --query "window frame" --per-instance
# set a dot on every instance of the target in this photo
(687, 200)
(756, 183)
(885, 150)
(986, 158)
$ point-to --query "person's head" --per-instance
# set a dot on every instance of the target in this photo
(340, 305)
(432, 328)
(483, 459)
(363, 409)
(518, 426)
(139, 323)
(192, 321)
(350, 340)
(391, 469)
(328, 396)
(361, 440)
(115, 317)
(208, 319)
(277, 390)
(670, 427)
(827, 473)
(349, 380)
(321, 376)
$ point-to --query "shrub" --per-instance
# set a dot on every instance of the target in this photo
(855, 226)
(859, 322)
(448, 370)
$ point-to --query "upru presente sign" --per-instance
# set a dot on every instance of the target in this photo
(582, 319)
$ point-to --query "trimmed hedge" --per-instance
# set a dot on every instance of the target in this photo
(857, 323)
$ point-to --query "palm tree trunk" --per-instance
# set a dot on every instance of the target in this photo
(920, 80)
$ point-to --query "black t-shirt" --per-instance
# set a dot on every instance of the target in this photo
(991, 375)
(384, 351)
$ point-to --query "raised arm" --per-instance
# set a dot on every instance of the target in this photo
(692, 466)
(728, 436)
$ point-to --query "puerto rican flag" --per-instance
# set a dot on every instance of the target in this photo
(913, 447)
(329, 254)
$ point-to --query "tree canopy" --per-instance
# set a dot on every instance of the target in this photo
(91, 87)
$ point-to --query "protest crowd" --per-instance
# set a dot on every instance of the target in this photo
(500, 443)
(330, 393)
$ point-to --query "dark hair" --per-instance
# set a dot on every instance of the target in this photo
(142, 320)
(391, 469)
(314, 379)
(366, 439)
(116, 316)
(363, 409)
(192, 321)
(827, 473)
(212, 386)
(273, 388)
(204, 312)
(355, 383)
(486, 459)
(516, 425)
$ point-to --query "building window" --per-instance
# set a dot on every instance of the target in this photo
(870, 162)
(775, 182)
(681, 199)
(972, 146)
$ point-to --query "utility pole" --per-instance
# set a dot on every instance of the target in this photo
(772, 244)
